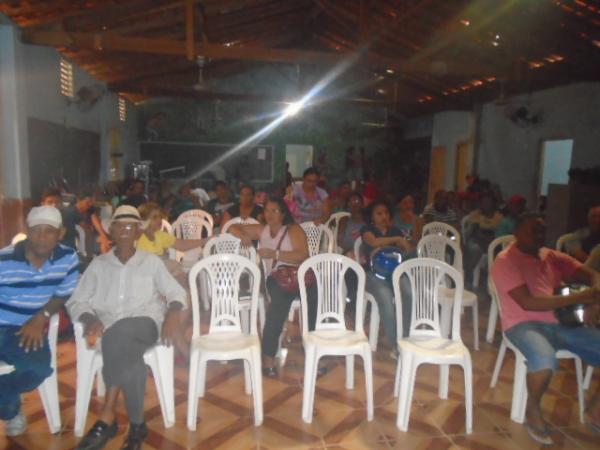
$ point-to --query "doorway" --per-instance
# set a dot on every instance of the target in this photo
(555, 163)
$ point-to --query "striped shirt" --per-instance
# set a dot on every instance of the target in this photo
(25, 289)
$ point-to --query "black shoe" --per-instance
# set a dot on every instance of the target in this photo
(98, 436)
(136, 436)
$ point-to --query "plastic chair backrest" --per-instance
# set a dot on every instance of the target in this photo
(197, 213)
(18, 238)
(441, 228)
(330, 270)
(314, 236)
(223, 243)
(425, 276)
(561, 242)
(224, 271)
(333, 223)
(191, 227)
(80, 240)
(236, 220)
(500, 243)
(437, 246)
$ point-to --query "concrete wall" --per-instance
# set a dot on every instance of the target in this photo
(30, 88)
(509, 154)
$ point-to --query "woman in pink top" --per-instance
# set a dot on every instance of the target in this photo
(282, 242)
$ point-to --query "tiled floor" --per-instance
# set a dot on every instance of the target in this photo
(225, 418)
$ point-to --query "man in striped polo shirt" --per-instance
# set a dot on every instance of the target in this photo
(37, 276)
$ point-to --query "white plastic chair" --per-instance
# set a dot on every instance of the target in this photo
(89, 365)
(197, 214)
(18, 238)
(425, 343)
(369, 299)
(334, 225)
(49, 388)
(562, 241)
(80, 240)
(498, 244)
(441, 228)
(436, 246)
(227, 243)
(238, 220)
(519, 398)
(225, 340)
(190, 227)
(587, 379)
(331, 337)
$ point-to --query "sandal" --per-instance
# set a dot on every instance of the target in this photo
(538, 434)
(270, 372)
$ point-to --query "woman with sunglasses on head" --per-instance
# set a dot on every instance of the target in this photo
(282, 242)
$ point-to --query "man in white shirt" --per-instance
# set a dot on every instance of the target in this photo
(120, 297)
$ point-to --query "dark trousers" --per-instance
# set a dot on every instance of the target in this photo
(123, 346)
(278, 312)
(31, 369)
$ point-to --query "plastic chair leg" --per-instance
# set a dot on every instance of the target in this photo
(247, 378)
(589, 372)
(498, 365)
(519, 400)
(350, 372)
(397, 377)
(444, 381)
(255, 366)
(475, 326)
(580, 397)
(468, 370)
(49, 393)
(492, 319)
(407, 380)
(310, 375)
(85, 378)
(192, 411)
(368, 364)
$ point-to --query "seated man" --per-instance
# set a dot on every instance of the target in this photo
(120, 297)
(440, 210)
(37, 276)
(586, 238)
(526, 276)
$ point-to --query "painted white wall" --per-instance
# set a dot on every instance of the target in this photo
(30, 87)
(451, 128)
(510, 155)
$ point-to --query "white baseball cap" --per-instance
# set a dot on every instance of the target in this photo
(44, 215)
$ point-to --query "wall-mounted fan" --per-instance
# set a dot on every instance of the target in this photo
(87, 96)
(524, 117)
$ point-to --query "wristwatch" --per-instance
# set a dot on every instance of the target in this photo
(46, 313)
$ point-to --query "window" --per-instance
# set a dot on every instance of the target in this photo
(122, 109)
(66, 78)
(555, 163)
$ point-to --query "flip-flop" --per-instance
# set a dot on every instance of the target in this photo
(538, 434)
(593, 426)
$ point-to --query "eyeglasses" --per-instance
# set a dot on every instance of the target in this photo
(125, 226)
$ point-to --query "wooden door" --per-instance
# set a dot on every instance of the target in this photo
(437, 171)
(463, 165)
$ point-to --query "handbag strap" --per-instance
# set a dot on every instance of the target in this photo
(274, 262)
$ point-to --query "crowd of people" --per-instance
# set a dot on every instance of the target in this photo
(132, 294)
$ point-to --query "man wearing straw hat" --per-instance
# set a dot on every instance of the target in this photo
(121, 298)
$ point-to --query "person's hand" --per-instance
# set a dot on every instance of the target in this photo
(402, 243)
(32, 333)
(266, 253)
(171, 333)
(105, 244)
(93, 328)
(246, 241)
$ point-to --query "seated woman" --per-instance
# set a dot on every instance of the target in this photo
(282, 243)
(349, 227)
(155, 240)
(313, 202)
(245, 208)
(406, 220)
(381, 233)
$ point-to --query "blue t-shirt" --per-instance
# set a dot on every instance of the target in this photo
(25, 289)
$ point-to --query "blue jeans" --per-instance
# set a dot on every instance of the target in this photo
(383, 292)
(539, 341)
(31, 369)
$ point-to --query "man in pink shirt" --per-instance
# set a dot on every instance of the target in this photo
(526, 276)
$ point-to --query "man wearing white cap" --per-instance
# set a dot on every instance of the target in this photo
(37, 276)
(121, 298)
